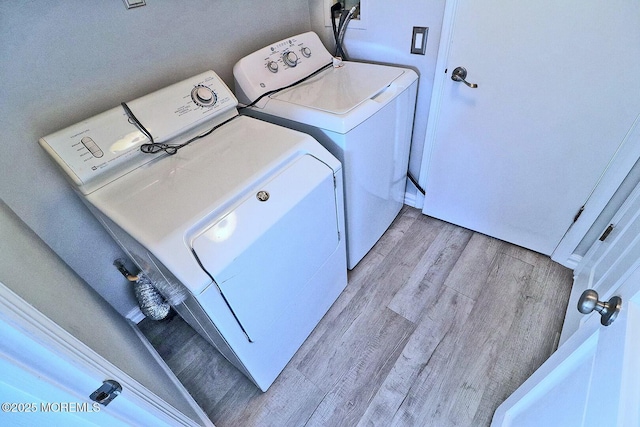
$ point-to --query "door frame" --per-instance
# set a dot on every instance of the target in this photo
(618, 168)
(35, 326)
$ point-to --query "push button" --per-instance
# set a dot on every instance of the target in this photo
(92, 147)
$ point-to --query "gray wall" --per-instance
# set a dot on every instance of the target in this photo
(64, 61)
(30, 269)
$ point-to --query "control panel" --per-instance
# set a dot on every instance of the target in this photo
(170, 112)
(279, 65)
(104, 147)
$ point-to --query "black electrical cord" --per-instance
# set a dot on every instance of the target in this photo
(339, 48)
(338, 32)
(171, 149)
(415, 183)
(335, 8)
(134, 121)
(153, 147)
(271, 92)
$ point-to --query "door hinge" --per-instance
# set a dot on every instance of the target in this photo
(607, 232)
(575, 218)
(108, 391)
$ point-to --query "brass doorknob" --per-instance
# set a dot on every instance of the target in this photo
(609, 310)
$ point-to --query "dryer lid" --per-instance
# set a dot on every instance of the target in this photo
(340, 90)
(163, 203)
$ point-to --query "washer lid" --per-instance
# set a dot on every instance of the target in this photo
(340, 90)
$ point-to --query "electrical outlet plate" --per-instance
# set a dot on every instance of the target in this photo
(130, 4)
(419, 40)
(358, 24)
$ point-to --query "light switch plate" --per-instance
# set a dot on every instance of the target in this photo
(130, 4)
(419, 40)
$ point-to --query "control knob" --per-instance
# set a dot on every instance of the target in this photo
(272, 66)
(290, 58)
(203, 96)
(306, 52)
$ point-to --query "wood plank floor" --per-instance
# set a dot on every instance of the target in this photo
(437, 326)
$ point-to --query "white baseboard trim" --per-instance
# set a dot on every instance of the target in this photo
(135, 315)
(414, 199)
(410, 199)
(573, 261)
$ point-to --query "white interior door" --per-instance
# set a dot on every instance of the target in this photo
(60, 340)
(516, 157)
(608, 262)
(591, 381)
(48, 376)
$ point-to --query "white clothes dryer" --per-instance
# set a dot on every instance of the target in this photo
(242, 228)
(362, 113)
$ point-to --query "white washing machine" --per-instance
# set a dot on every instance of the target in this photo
(362, 113)
(241, 229)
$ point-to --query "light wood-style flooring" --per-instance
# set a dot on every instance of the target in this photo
(437, 326)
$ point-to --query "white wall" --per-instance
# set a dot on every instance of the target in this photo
(387, 39)
(62, 62)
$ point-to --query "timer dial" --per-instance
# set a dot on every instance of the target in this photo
(203, 96)
(272, 66)
(290, 58)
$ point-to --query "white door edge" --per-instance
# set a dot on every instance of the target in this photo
(538, 383)
(24, 317)
(623, 160)
(446, 36)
